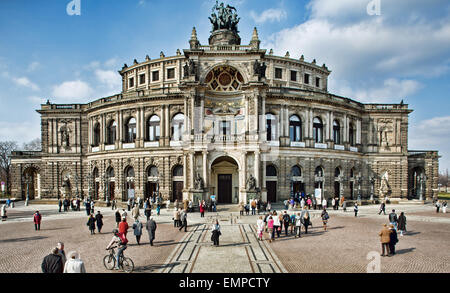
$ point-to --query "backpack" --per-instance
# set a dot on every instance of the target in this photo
(123, 239)
(326, 216)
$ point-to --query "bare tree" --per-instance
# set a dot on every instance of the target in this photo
(6, 147)
(34, 145)
(443, 178)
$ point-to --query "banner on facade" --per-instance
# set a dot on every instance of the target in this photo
(318, 195)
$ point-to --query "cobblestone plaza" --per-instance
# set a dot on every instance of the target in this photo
(343, 248)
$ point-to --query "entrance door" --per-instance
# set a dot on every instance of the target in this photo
(151, 188)
(225, 189)
(299, 187)
(177, 191)
(337, 189)
(112, 190)
(271, 191)
(351, 190)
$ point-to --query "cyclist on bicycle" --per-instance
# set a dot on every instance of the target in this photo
(121, 241)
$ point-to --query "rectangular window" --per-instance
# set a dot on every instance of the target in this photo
(171, 73)
(278, 73)
(155, 75)
(306, 78)
(317, 82)
(293, 75)
(225, 127)
(131, 82)
(142, 79)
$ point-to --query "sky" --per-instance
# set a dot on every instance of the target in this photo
(379, 51)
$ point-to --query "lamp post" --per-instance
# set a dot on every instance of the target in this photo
(26, 179)
(359, 179)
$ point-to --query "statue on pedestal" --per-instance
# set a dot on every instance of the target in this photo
(199, 184)
(251, 183)
(385, 189)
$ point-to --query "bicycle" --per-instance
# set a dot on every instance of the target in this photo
(125, 263)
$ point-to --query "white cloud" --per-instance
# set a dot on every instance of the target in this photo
(111, 79)
(72, 91)
(25, 82)
(20, 131)
(368, 51)
(269, 15)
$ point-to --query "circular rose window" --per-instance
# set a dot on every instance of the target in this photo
(224, 79)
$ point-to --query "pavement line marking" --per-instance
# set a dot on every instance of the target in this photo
(204, 232)
(246, 250)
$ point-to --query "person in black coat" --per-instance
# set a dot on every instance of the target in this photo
(52, 263)
(118, 218)
(401, 223)
(99, 220)
(394, 240)
(91, 224)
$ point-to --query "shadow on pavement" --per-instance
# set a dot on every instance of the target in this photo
(403, 251)
(155, 267)
(410, 233)
(23, 239)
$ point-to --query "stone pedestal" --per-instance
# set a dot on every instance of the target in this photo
(246, 196)
(224, 37)
(197, 195)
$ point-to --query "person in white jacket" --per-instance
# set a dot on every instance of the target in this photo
(260, 227)
(74, 265)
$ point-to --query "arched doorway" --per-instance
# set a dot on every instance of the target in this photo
(110, 184)
(225, 180)
(298, 187)
(418, 183)
(271, 183)
(337, 182)
(31, 184)
(151, 188)
(177, 183)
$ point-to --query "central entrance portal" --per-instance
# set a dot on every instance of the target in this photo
(225, 188)
(225, 180)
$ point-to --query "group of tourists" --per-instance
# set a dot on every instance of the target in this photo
(65, 204)
(57, 263)
(95, 220)
(254, 205)
(180, 219)
(388, 234)
(439, 205)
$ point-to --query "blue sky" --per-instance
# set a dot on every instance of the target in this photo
(404, 53)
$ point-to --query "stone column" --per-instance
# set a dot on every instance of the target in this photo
(167, 125)
(191, 169)
(263, 118)
(205, 171)
(256, 165)
(244, 170)
(163, 125)
(184, 172)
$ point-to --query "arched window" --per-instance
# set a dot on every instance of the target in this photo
(129, 172)
(177, 127)
(111, 133)
(130, 131)
(153, 128)
(318, 130)
(319, 172)
(336, 132)
(110, 172)
(177, 171)
(296, 171)
(152, 171)
(351, 135)
(271, 171)
(295, 128)
(337, 172)
(96, 141)
(352, 173)
(96, 183)
(271, 127)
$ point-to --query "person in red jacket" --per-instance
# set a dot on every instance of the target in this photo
(37, 218)
(123, 227)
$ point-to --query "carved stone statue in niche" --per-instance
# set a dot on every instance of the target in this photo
(385, 131)
(385, 189)
(199, 184)
(251, 183)
(65, 136)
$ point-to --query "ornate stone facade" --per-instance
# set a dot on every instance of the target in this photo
(217, 118)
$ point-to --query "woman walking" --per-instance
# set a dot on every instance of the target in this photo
(402, 223)
(270, 228)
(356, 210)
(215, 233)
(325, 218)
(37, 218)
(260, 227)
(3, 213)
(91, 224)
(276, 225)
(298, 226)
(202, 209)
(137, 227)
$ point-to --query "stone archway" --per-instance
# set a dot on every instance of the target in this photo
(31, 183)
(225, 181)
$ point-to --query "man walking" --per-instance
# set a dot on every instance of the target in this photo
(52, 263)
(286, 220)
(305, 219)
(393, 219)
(99, 220)
(393, 239)
(382, 208)
(356, 209)
(137, 227)
(151, 229)
(385, 235)
(183, 220)
(298, 226)
(60, 203)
